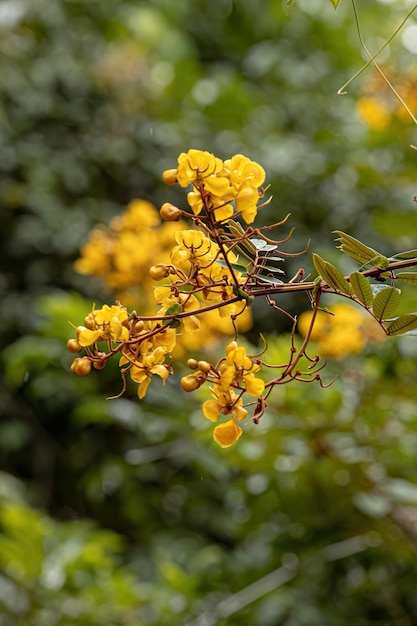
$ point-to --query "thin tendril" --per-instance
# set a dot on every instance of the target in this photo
(342, 91)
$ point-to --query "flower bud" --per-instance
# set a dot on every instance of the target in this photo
(89, 322)
(138, 326)
(73, 346)
(191, 382)
(99, 365)
(204, 367)
(81, 366)
(170, 213)
(159, 271)
(192, 364)
(169, 177)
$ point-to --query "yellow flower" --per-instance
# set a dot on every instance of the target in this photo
(226, 402)
(246, 177)
(143, 369)
(238, 369)
(194, 248)
(373, 112)
(167, 297)
(195, 166)
(108, 325)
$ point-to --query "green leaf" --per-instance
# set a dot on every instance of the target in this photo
(331, 275)
(264, 246)
(355, 248)
(361, 289)
(407, 277)
(235, 266)
(402, 324)
(335, 3)
(386, 303)
(271, 268)
(408, 254)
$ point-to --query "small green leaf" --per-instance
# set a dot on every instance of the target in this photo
(361, 289)
(386, 303)
(355, 248)
(261, 244)
(331, 275)
(235, 266)
(174, 309)
(273, 258)
(271, 268)
(407, 277)
(402, 324)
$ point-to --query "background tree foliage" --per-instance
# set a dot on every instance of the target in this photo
(124, 512)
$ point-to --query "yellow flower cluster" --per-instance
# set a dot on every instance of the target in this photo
(198, 262)
(144, 345)
(225, 188)
(231, 378)
(346, 330)
(149, 354)
(123, 254)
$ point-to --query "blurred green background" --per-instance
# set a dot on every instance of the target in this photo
(126, 513)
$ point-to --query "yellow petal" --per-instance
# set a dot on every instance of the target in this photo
(88, 337)
(227, 434)
(254, 386)
(211, 410)
(143, 387)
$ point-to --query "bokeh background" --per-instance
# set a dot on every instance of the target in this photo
(126, 513)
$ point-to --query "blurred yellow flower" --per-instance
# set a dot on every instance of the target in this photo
(345, 330)
(373, 112)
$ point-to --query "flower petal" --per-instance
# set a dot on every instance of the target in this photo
(227, 434)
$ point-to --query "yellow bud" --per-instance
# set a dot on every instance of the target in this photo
(79, 330)
(169, 177)
(192, 364)
(204, 367)
(73, 346)
(158, 272)
(81, 366)
(138, 326)
(191, 382)
(170, 213)
(99, 365)
(89, 322)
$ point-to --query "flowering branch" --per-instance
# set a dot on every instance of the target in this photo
(219, 267)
